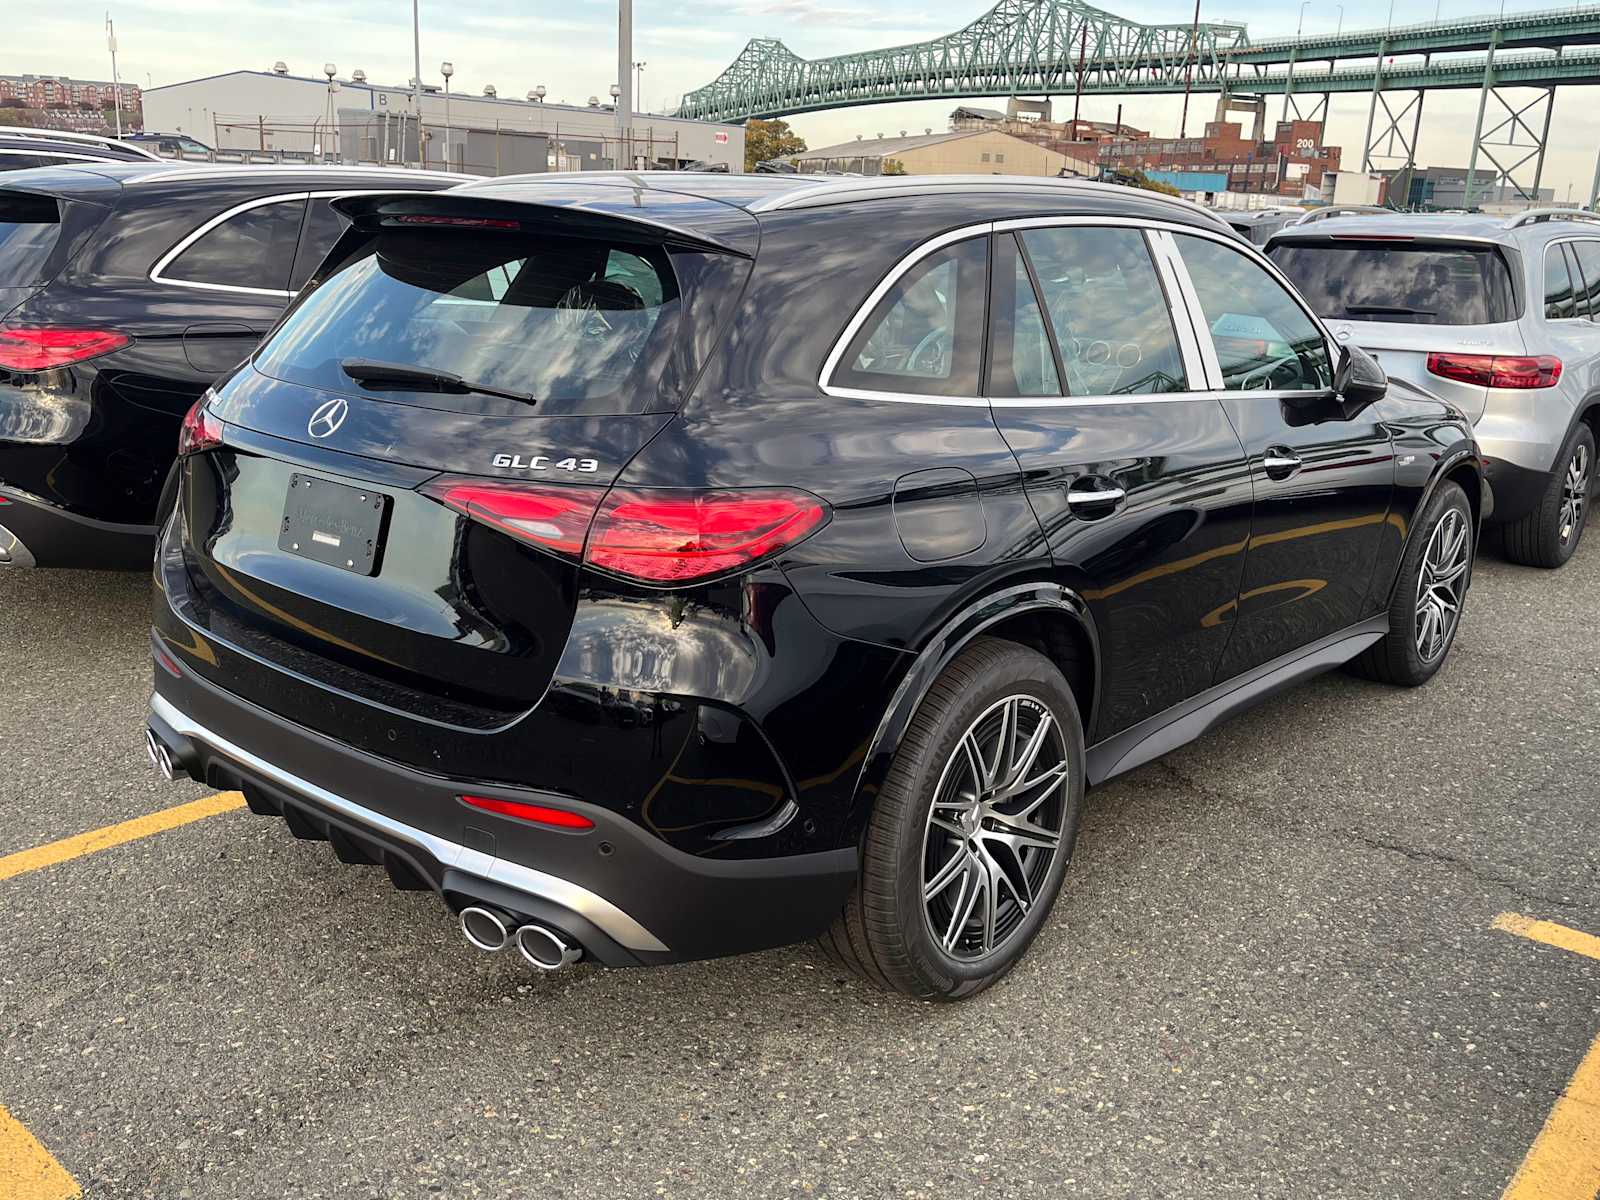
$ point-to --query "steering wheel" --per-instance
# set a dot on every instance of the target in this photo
(936, 343)
(1264, 377)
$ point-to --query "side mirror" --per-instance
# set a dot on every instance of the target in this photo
(1359, 380)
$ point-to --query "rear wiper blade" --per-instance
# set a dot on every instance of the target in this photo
(1398, 310)
(399, 375)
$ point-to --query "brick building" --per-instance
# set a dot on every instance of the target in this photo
(1284, 165)
(58, 91)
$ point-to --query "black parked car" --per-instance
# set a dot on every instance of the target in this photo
(125, 291)
(24, 147)
(662, 567)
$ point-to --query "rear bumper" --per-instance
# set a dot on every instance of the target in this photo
(625, 896)
(36, 534)
(1517, 490)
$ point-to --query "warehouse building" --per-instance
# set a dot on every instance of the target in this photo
(352, 120)
(960, 152)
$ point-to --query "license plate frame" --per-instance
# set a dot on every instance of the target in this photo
(334, 524)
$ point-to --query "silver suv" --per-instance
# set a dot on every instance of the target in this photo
(1499, 316)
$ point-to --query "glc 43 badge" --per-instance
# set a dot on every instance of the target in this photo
(545, 462)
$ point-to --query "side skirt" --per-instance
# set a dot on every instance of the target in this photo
(1183, 723)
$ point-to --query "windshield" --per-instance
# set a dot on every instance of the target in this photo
(1413, 284)
(578, 324)
(29, 229)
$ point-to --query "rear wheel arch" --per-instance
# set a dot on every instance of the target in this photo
(1462, 467)
(1043, 616)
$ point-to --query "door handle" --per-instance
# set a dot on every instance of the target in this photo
(1280, 462)
(1097, 495)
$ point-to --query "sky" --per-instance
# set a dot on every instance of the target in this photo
(570, 48)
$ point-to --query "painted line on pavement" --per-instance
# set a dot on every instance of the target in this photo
(1564, 1161)
(27, 1170)
(96, 840)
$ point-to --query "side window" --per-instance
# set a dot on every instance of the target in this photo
(1021, 360)
(320, 231)
(1588, 254)
(1560, 297)
(1264, 340)
(1106, 306)
(926, 336)
(255, 249)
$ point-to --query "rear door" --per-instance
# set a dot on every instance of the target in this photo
(1323, 476)
(1132, 468)
(1404, 298)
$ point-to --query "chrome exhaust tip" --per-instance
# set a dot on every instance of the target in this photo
(160, 756)
(545, 948)
(485, 928)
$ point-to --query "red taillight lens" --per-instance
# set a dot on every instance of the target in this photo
(553, 517)
(42, 349)
(458, 222)
(539, 814)
(653, 535)
(1497, 370)
(200, 430)
(673, 537)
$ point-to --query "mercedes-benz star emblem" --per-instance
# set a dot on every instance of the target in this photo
(327, 419)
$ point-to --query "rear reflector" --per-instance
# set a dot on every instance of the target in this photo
(43, 349)
(539, 814)
(200, 430)
(651, 535)
(1521, 372)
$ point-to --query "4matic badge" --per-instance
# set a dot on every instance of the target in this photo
(545, 462)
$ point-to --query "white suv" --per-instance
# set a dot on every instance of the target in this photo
(1501, 317)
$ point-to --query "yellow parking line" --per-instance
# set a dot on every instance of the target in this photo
(1564, 1161)
(1550, 934)
(95, 840)
(27, 1170)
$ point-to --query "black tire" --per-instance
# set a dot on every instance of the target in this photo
(1544, 538)
(884, 934)
(1398, 658)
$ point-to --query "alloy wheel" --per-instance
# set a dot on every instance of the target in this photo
(1442, 585)
(994, 828)
(1574, 495)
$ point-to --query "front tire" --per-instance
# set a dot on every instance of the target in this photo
(972, 831)
(1429, 594)
(1549, 535)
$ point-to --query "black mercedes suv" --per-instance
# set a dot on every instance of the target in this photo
(125, 291)
(661, 567)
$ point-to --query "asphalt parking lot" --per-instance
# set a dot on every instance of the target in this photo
(1274, 972)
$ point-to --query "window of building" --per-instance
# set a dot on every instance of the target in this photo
(985, 156)
(999, 158)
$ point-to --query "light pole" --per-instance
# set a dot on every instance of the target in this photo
(1300, 25)
(416, 78)
(1338, 29)
(116, 86)
(623, 88)
(330, 71)
(447, 69)
(638, 86)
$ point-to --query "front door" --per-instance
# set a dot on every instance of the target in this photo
(1323, 475)
(1134, 472)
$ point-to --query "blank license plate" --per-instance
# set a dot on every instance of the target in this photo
(334, 524)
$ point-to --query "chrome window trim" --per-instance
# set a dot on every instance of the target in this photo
(86, 155)
(1205, 370)
(156, 272)
(616, 923)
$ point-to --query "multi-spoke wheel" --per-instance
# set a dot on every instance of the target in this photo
(1443, 585)
(994, 826)
(1549, 535)
(972, 829)
(1429, 593)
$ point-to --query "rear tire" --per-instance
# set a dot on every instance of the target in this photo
(1549, 535)
(1429, 594)
(971, 834)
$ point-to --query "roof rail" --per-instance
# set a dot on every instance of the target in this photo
(1344, 210)
(1534, 216)
(66, 135)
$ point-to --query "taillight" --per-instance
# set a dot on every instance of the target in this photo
(648, 534)
(1497, 370)
(200, 429)
(539, 814)
(41, 349)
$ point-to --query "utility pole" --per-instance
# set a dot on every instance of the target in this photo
(624, 98)
(116, 84)
(1077, 95)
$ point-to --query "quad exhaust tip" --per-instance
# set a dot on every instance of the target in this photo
(485, 928)
(491, 931)
(160, 756)
(545, 948)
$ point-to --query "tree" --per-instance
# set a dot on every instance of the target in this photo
(1139, 179)
(769, 139)
(893, 166)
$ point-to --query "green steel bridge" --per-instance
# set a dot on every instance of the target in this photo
(1516, 61)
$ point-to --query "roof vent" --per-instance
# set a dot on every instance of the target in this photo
(488, 90)
(594, 101)
(280, 67)
(358, 76)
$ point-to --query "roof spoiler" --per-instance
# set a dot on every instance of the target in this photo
(580, 216)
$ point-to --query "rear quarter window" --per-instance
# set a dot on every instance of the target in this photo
(1400, 282)
(252, 249)
(30, 227)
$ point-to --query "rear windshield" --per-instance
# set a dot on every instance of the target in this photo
(30, 226)
(582, 325)
(1405, 284)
